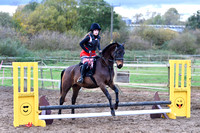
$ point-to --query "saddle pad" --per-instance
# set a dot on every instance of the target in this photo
(90, 62)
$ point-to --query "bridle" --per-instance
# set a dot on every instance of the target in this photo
(114, 59)
(115, 56)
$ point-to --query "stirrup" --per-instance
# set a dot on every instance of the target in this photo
(80, 80)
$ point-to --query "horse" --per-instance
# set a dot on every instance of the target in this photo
(104, 68)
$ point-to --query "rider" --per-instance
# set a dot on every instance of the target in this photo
(89, 45)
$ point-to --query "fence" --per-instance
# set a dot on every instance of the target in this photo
(138, 59)
(143, 76)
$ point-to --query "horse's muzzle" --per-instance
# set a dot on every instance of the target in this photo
(119, 63)
(120, 66)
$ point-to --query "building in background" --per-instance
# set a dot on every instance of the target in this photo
(127, 21)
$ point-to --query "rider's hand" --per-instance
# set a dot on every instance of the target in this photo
(100, 52)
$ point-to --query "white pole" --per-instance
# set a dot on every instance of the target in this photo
(103, 114)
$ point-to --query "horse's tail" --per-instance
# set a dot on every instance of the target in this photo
(61, 81)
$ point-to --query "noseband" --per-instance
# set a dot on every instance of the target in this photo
(115, 56)
(115, 59)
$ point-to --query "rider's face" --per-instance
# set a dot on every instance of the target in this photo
(95, 32)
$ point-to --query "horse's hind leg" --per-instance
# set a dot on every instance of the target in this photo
(113, 87)
(76, 89)
(105, 91)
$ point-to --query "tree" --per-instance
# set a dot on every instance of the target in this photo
(46, 18)
(138, 18)
(66, 8)
(30, 7)
(157, 20)
(5, 20)
(55, 15)
(171, 17)
(194, 21)
(98, 11)
(20, 17)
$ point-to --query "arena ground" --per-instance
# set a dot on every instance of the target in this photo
(122, 124)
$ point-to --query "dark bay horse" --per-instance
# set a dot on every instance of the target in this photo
(103, 75)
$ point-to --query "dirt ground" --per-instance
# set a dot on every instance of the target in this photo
(122, 124)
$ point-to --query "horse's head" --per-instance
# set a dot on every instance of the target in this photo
(118, 55)
(115, 52)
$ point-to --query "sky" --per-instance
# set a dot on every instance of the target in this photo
(128, 8)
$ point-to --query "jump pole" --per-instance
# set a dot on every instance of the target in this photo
(101, 105)
(104, 114)
(26, 102)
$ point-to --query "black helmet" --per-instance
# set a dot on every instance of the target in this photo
(95, 26)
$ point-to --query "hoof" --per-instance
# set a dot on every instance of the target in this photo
(112, 112)
(116, 106)
(59, 112)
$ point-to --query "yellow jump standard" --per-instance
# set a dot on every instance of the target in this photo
(26, 105)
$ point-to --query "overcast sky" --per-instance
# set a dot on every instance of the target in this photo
(126, 3)
(141, 3)
(128, 8)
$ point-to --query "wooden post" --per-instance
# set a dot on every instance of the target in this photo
(115, 76)
(168, 85)
(52, 77)
(3, 76)
(12, 74)
(42, 78)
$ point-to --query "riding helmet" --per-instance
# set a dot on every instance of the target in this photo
(95, 26)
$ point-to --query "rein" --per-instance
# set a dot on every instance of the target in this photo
(104, 61)
(109, 67)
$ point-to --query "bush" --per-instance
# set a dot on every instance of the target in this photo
(6, 20)
(137, 43)
(184, 44)
(196, 33)
(11, 47)
(163, 36)
(7, 33)
(121, 35)
(105, 39)
(54, 41)
(157, 37)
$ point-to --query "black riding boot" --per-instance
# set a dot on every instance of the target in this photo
(83, 69)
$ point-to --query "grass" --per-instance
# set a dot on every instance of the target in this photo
(140, 75)
(147, 75)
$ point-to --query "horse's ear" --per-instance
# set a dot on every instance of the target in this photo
(123, 44)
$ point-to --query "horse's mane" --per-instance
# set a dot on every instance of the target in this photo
(107, 47)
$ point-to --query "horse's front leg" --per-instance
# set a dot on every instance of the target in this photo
(105, 91)
(113, 87)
